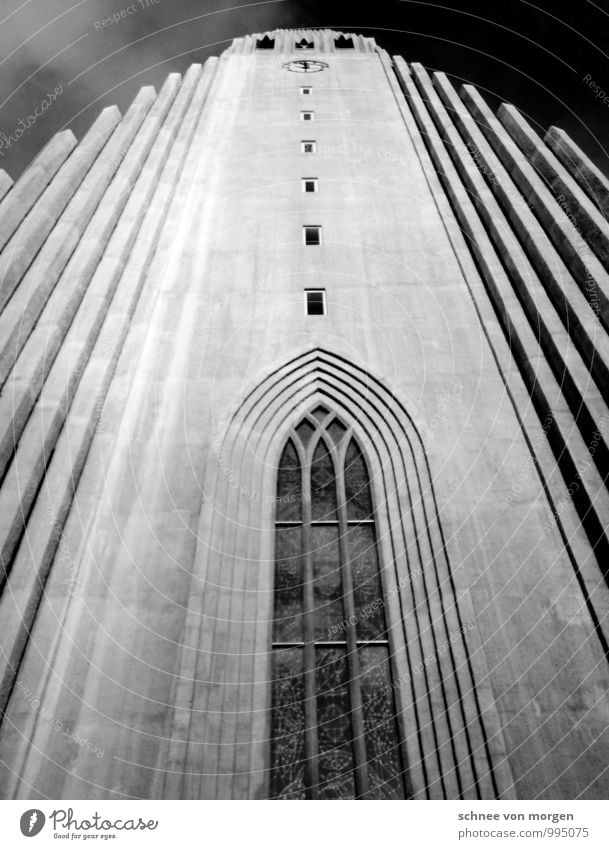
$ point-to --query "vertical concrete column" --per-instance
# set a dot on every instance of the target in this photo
(494, 273)
(568, 366)
(33, 182)
(572, 377)
(569, 447)
(566, 295)
(581, 262)
(590, 178)
(31, 235)
(20, 495)
(42, 430)
(510, 313)
(590, 225)
(132, 142)
(63, 235)
(137, 236)
(6, 184)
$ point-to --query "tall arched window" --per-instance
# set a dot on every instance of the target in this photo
(334, 729)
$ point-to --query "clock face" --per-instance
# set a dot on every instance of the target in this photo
(305, 66)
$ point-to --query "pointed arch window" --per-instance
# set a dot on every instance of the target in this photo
(334, 730)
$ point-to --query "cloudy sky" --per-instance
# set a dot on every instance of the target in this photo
(541, 56)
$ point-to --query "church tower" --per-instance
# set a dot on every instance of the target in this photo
(304, 443)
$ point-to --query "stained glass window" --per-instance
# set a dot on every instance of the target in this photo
(334, 728)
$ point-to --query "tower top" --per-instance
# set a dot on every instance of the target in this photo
(304, 41)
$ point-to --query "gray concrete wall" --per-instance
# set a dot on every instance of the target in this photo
(144, 570)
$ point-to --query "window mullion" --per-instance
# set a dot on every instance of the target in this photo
(311, 739)
(357, 714)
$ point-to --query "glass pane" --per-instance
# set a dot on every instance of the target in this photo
(328, 617)
(337, 431)
(289, 486)
(359, 504)
(305, 431)
(367, 592)
(323, 486)
(289, 576)
(386, 780)
(312, 235)
(288, 725)
(336, 776)
(320, 413)
(315, 303)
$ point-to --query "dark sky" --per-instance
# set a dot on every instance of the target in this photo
(534, 55)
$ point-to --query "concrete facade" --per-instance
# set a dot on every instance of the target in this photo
(156, 352)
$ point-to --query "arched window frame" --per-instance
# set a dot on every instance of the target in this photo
(350, 640)
(441, 703)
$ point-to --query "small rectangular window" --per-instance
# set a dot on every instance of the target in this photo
(312, 234)
(306, 89)
(315, 301)
(310, 184)
(307, 116)
(308, 146)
